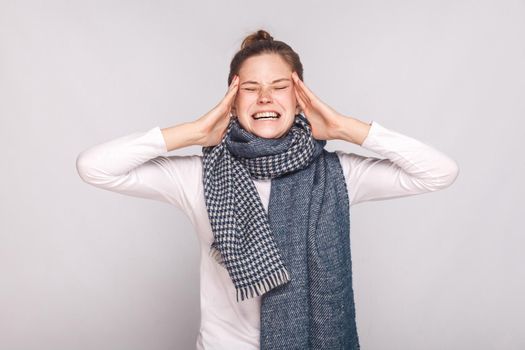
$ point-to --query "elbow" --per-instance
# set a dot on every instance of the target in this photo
(84, 168)
(91, 170)
(447, 175)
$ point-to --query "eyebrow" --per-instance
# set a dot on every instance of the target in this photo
(273, 82)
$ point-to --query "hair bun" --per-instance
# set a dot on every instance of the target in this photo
(260, 35)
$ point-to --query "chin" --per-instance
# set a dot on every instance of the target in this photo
(270, 131)
(268, 134)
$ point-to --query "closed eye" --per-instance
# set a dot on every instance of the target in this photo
(252, 89)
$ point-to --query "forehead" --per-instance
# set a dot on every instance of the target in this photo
(265, 68)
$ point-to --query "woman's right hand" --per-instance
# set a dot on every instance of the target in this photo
(212, 126)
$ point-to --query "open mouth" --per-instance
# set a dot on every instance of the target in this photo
(266, 116)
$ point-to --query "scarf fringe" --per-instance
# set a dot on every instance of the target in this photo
(265, 285)
(275, 279)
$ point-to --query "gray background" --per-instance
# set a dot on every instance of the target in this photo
(83, 268)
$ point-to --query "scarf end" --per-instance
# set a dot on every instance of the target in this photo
(277, 278)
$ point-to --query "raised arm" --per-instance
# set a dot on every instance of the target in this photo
(134, 165)
(409, 167)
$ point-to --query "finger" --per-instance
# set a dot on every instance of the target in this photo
(303, 96)
(229, 99)
(300, 100)
(300, 89)
(303, 93)
(233, 85)
(305, 89)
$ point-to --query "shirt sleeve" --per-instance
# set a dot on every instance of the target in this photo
(409, 167)
(134, 165)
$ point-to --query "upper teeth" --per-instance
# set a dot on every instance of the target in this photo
(266, 114)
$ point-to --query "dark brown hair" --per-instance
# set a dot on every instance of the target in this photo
(261, 42)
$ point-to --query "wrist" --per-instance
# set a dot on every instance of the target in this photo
(351, 130)
(197, 132)
(181, 135)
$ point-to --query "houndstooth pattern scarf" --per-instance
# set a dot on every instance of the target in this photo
(243, 242)
(297, 257)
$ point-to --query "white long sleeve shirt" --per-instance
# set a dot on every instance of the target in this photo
(135, 165)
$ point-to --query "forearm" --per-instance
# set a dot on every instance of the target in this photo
(181, 135)
(351, 130)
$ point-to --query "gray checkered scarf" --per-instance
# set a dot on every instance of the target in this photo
(243, 242)
(297, 257)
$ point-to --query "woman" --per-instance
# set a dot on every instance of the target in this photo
(269, 203)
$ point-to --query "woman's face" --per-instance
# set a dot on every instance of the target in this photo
(265, 84)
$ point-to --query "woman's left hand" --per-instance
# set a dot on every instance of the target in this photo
(324, 120)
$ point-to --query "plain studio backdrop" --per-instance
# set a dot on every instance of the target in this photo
(83, 268)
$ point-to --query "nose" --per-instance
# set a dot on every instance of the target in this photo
(265, 96)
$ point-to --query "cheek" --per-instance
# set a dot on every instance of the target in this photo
(287, 99)
(245, 100)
